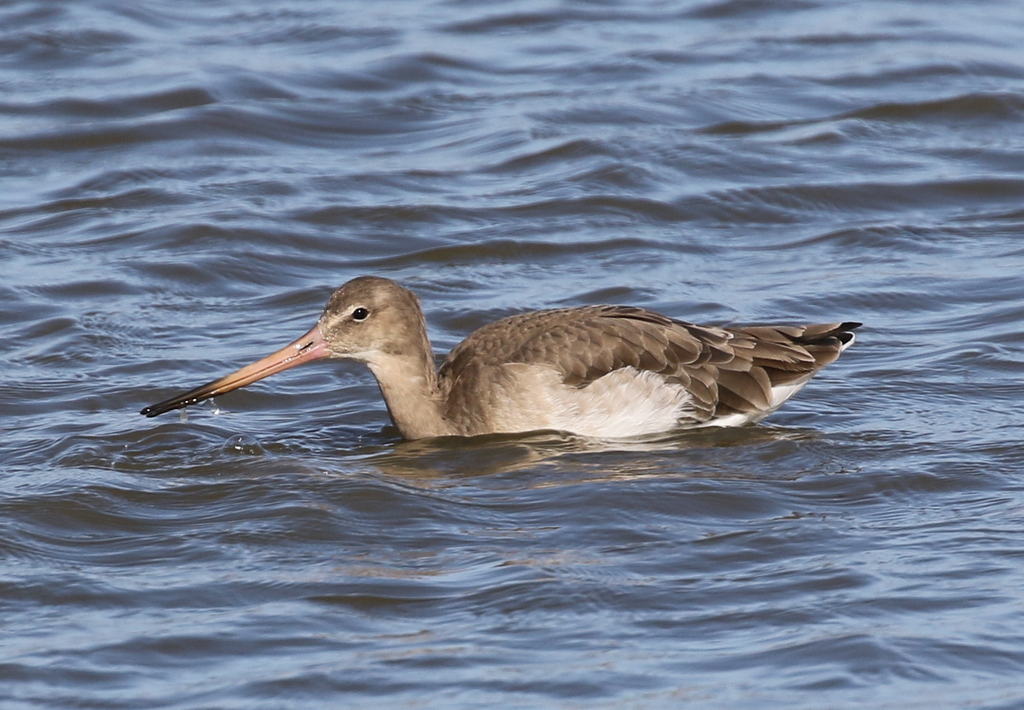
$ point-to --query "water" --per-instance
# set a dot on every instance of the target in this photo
(183, 184)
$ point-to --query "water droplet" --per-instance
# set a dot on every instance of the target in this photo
(244, 445)
(183, 415)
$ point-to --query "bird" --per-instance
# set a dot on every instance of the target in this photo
(600, 371)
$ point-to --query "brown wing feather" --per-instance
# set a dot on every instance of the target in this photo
(725, 370)
(780, 355)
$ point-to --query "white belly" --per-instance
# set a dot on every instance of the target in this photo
(623, 403)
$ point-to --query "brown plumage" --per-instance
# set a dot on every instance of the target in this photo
(604, 371)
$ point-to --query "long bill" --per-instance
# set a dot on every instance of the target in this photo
(309, 347)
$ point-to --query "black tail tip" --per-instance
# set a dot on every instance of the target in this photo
(845, 334)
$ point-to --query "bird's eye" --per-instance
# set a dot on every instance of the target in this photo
(360, 314)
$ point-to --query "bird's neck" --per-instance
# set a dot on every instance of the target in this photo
(409, 386)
